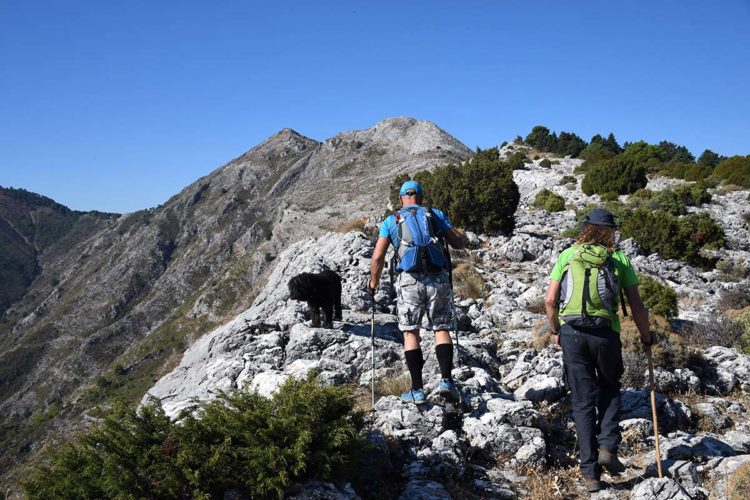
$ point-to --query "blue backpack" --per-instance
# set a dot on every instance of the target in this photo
(420, 248)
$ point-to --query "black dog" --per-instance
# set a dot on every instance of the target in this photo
(320, 291)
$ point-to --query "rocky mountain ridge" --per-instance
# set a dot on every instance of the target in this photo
(513, 423)
(108, 316)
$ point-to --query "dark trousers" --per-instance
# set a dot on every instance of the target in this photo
(593, 365)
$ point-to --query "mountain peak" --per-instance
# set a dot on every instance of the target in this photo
(407, 134)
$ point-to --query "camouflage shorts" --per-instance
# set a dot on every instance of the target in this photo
(419, 294)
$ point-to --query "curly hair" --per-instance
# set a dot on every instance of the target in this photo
(601, 235)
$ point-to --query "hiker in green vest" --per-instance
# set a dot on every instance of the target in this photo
(587, 283)
(422, 284)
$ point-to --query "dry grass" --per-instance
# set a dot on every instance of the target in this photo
(738, 486)
(632, 442)
(392, 386)
(551, 483)
(671, 351)
(737, 298)
(358, 224)
(541, 335)
(467, 281)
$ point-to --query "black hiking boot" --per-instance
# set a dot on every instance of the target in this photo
(609, 461)
(593, 485)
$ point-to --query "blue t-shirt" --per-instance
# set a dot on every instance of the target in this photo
(389, 228)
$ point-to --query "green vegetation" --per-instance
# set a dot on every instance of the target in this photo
(566, 144)
(307, 431)
(545, 163)
(742, 320)
(620, 175)
(549, 201)
(658, 298)
(658, 231)
(665, 158)
(672, 237)
(735, 170)
(479, 195)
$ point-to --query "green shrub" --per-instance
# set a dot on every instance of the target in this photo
(735, 170)
(609, 196)
(658, 298)
(545, 163)
(694, 194)
(619, 175)
(668, 201)
(743, 321)
(517, 160)
(597, 152)
(644, 155)
(687, 171)
(731, 270)
(241, 440)
(671, 237)
(479, 195)
(568, 179)
(549, 201)
(642, 194)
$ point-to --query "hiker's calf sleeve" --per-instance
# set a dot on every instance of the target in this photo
(444, 354)
(414, 362)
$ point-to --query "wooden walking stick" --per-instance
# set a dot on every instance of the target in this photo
(372, 354)
(653, 409)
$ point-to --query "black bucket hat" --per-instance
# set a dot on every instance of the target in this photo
(601, 217)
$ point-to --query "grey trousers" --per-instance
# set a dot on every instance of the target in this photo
(593, 366)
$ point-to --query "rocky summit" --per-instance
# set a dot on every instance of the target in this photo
(512, 434)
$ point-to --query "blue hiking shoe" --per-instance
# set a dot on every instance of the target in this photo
(416, 396)
(448, 391)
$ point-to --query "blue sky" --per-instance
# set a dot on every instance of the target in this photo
(116, 106)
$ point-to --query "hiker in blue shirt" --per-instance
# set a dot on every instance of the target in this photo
(422, 284)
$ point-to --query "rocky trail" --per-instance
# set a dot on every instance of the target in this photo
(512, 435)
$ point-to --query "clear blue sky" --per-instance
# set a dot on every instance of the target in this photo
(116, 106)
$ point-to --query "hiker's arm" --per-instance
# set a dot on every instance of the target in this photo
(639, 312)
(378, 261)
(455, 239)
(550, 307)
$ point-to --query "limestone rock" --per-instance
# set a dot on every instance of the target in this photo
(664, 489)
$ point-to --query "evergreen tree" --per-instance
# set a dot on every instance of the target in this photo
(709, 158)
(540, 139)
(675, 154)
(570, 144)
(612, 145)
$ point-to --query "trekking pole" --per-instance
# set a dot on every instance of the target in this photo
(453, 302)
(653, 409)
(372, 352)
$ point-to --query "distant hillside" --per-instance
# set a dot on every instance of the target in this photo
(30, 224)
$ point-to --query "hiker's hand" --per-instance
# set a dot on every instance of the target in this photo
(371, 287)
(650, 339)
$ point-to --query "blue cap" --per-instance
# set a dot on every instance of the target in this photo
(600, 217)
(408, 185)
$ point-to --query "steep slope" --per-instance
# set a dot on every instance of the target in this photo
(31, 224)
(125, 303)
